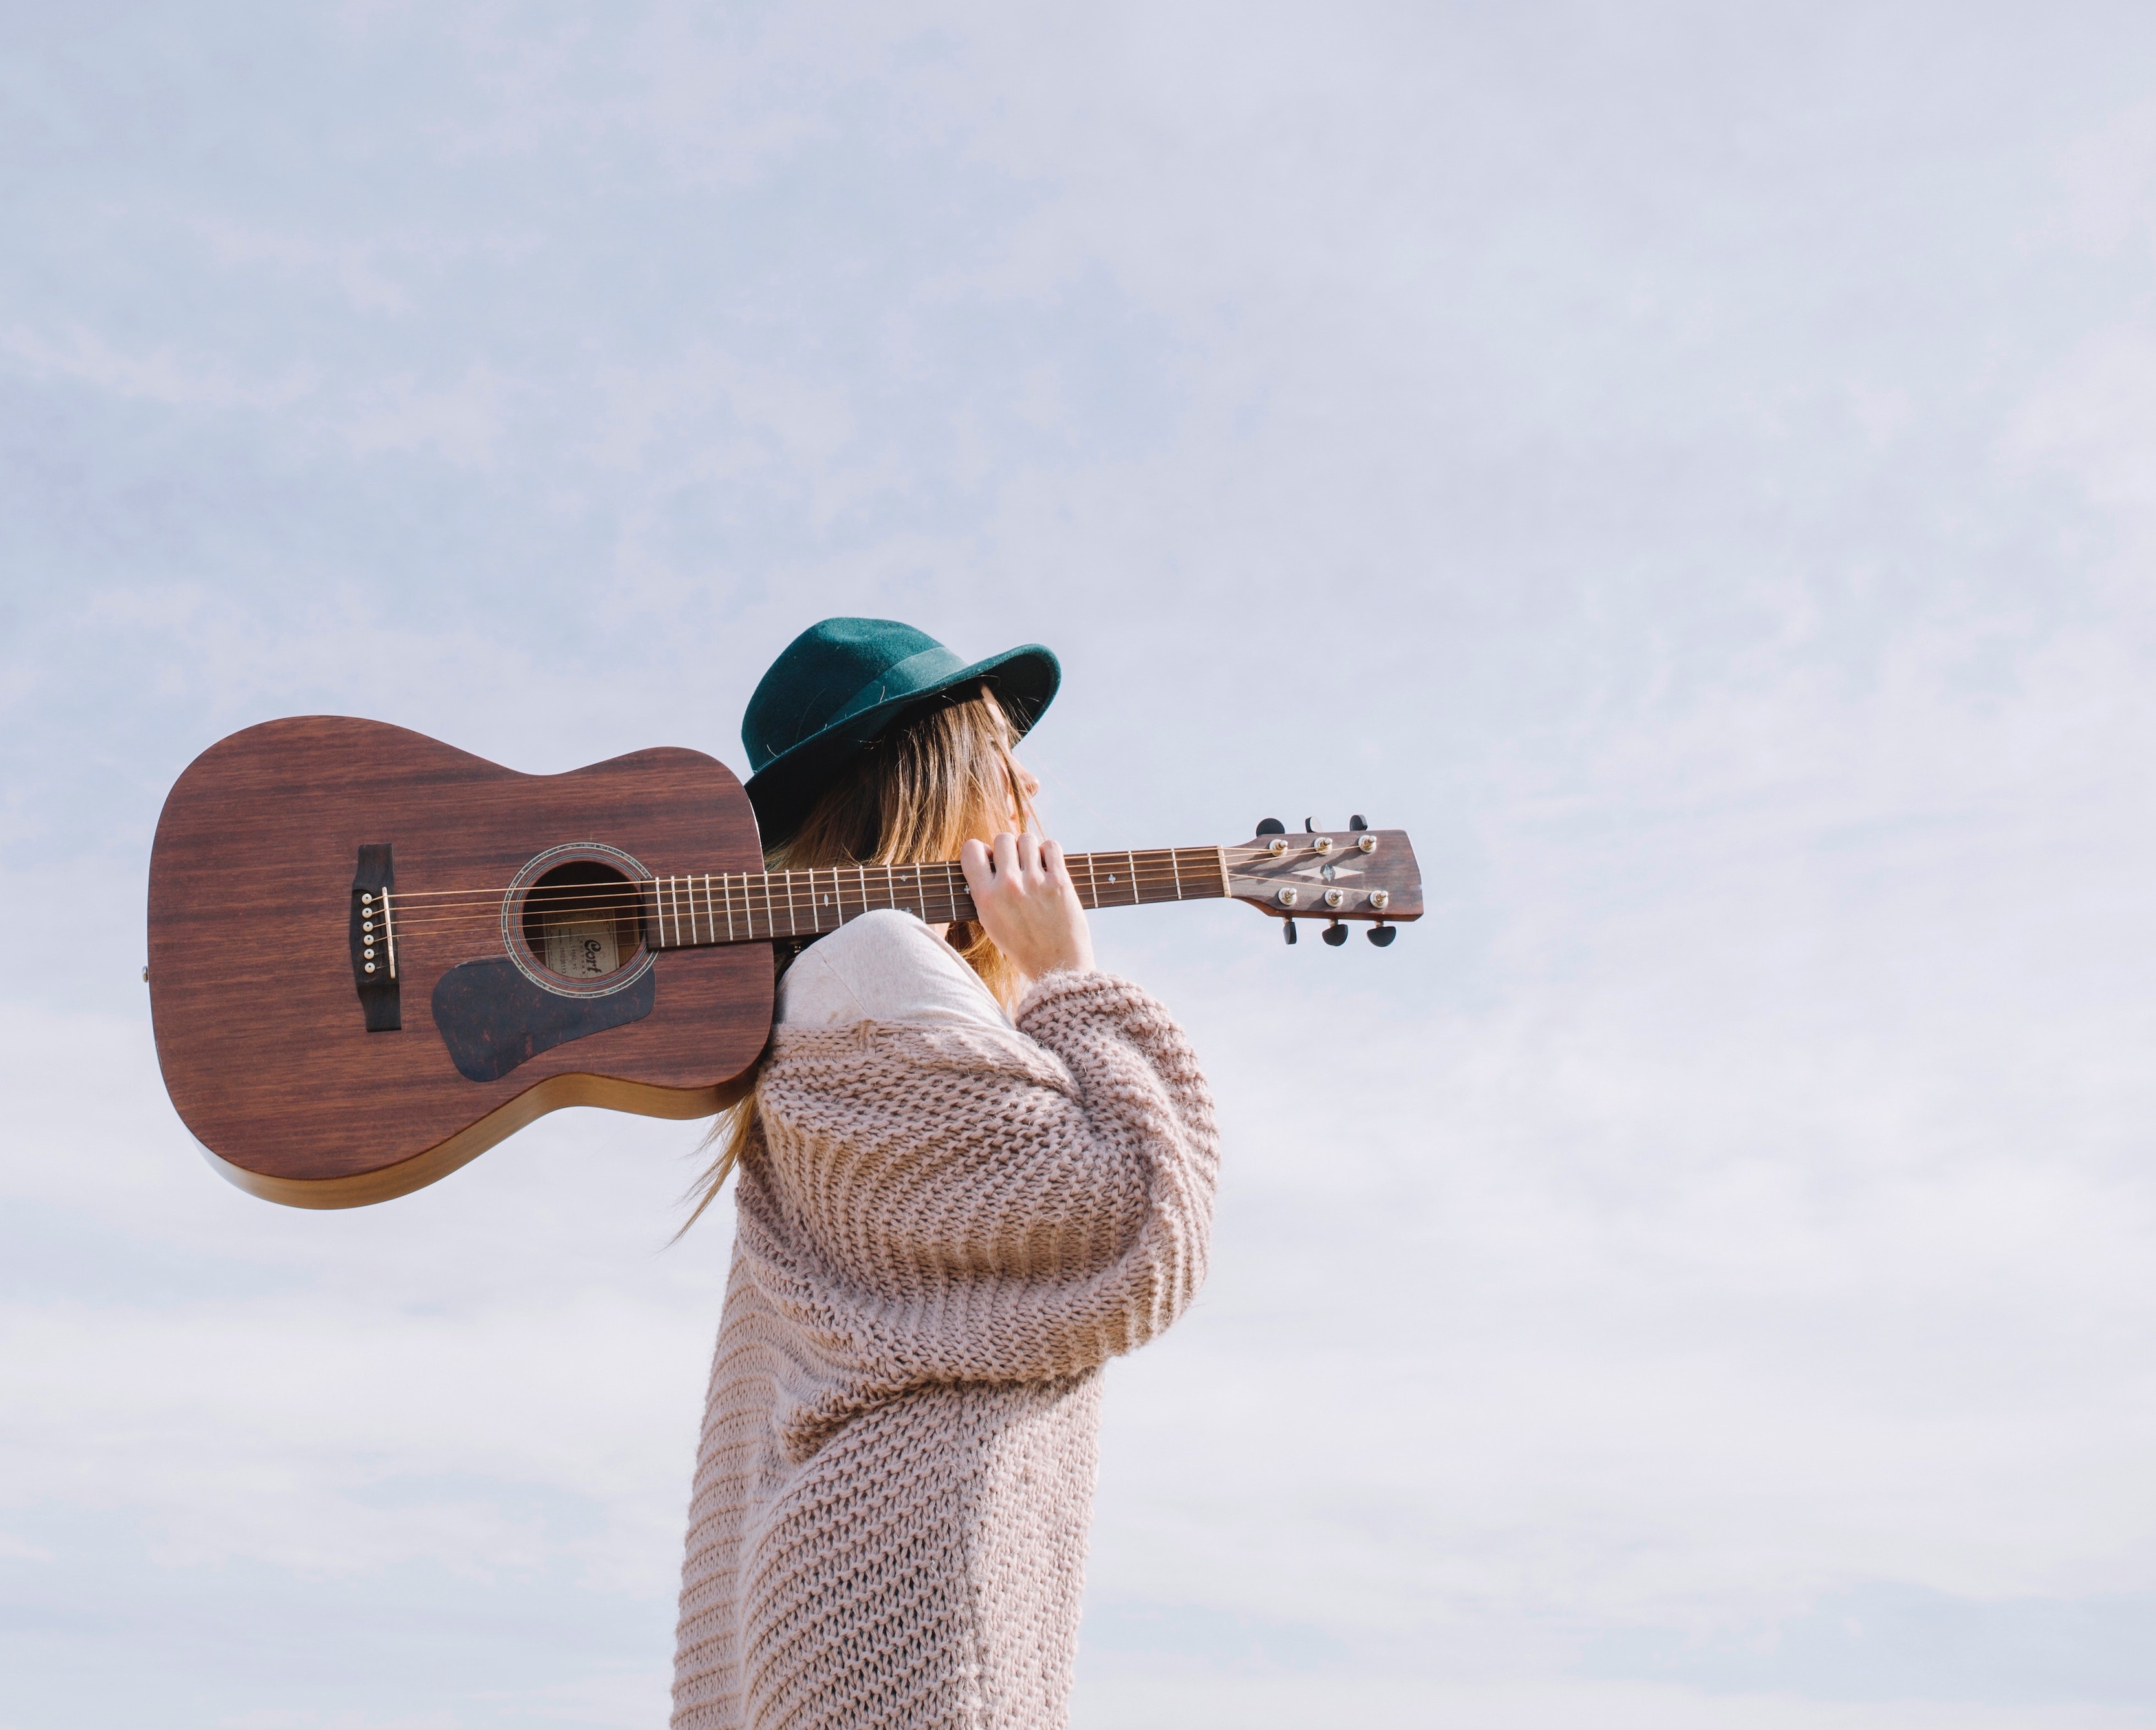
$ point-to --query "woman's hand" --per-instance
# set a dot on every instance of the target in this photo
(1027, 904)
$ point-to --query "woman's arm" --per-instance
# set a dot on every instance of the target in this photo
(936, 1205)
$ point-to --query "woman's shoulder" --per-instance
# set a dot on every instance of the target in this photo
(885, 966)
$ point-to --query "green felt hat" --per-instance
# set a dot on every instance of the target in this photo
(841, 685)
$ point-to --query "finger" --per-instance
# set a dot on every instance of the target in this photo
(1051, 863)
(973, 860)
(1006, 853)
(1028, 856)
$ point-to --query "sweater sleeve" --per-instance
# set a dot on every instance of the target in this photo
(928, 1204)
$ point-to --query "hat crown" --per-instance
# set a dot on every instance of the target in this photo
(835, 668)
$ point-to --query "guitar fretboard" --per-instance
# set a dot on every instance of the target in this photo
(700, 909)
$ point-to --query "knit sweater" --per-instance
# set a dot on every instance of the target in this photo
(942, 1233)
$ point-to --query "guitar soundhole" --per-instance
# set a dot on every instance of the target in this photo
(582, 921)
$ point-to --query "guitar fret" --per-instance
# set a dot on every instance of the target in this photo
(933, 890)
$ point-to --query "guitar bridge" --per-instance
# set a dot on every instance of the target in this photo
(374, 940)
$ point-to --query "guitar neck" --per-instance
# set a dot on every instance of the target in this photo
(698, 909)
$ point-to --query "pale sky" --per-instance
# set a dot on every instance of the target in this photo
(1694, 467)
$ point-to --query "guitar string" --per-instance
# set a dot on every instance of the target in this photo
(821, 895)
(422, 901)
(1154, 870)
(714, 906)
(688, 891)
(1154, 858)
(1158, 855)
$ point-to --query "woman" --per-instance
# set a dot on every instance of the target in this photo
(972, 1170)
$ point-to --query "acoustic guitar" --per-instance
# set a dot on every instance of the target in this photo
(372, 957)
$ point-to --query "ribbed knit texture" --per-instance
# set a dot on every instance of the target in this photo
(942, 1236)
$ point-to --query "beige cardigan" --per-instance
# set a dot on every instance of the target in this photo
(943, 1235)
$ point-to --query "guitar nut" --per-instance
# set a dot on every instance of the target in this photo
(1366, 844)
(1334, 897)
(1380, 899)
(1289, 897)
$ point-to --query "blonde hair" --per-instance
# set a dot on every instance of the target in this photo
(915, 795)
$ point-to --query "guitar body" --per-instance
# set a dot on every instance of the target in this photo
(316, 1079)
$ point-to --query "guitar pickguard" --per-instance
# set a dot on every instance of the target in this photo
(493, 1019)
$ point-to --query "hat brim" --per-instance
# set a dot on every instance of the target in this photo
(1025, 681)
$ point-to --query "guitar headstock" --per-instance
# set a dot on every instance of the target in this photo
(1360, 874)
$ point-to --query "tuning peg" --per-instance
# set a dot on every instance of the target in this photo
(1335, 934)
(1383, 935)
(1355, 822)
(1309, 825)
(1272, 826)
(1287, 929)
